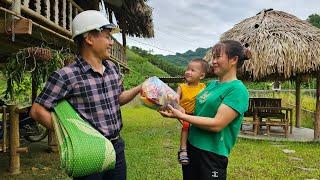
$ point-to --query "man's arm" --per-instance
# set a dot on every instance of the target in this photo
(42, 115)
(128, 95)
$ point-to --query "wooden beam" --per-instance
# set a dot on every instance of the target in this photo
(5, 128)
(172, 79)
(298, 101)
(36, 25)
(21, 26)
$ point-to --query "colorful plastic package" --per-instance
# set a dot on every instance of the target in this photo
(155, 94)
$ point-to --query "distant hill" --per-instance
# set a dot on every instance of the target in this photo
(170, 68)
(182, 59)
(140, 68)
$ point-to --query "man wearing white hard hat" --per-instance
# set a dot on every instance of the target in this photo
(92, 85)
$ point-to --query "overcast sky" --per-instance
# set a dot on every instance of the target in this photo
(182, 25)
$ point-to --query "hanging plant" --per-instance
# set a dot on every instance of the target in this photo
(35, 61)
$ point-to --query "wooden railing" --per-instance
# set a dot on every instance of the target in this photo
(118, 53)
(57, 15)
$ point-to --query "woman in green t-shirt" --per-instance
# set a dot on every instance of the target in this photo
(218, 113)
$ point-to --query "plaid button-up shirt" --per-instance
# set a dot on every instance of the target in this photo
(94, 96)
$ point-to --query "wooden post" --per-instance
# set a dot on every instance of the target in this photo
(16, 7)
(38, 6)
(76, 11)
(317, 116)
(26, 3)
(14, 140)
(5, 129)
(298, 102)
(34, 87)
(70, 16)
(291, 119)
(64, 14)
(56, 12)
(47, 11)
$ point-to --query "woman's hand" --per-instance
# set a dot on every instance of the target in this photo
(172, 112)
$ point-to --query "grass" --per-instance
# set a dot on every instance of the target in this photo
(152, 144)
(151, 152)
(265, 160)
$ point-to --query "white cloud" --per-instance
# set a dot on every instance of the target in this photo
(182, 25)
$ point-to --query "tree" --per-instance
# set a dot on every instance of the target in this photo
(314, 19)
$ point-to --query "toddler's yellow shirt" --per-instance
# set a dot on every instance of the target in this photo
(188, 96)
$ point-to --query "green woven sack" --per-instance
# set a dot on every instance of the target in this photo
(83, 150)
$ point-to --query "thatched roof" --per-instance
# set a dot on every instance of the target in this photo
(282, 46)
(133, 16)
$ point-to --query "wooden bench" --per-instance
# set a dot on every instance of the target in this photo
(254, 121)
(4, 128)
(269, 108)
(281, 119)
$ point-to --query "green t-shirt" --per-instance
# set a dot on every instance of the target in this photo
(233, 94)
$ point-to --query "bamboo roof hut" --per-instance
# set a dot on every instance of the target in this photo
(283, 48)
(133, 16)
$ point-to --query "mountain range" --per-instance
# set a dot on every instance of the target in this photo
(182, 59)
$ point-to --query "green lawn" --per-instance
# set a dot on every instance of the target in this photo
(151, 152)
(152, 143)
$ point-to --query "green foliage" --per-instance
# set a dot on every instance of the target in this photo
(21, 66)
(140, 69)
(310, 84)
(257, 85)
(307, 102)
(3, 84)
(314, 19)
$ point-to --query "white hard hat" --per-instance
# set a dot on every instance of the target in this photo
(91, 20)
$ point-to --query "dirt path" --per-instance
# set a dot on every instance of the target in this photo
(38, 163)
